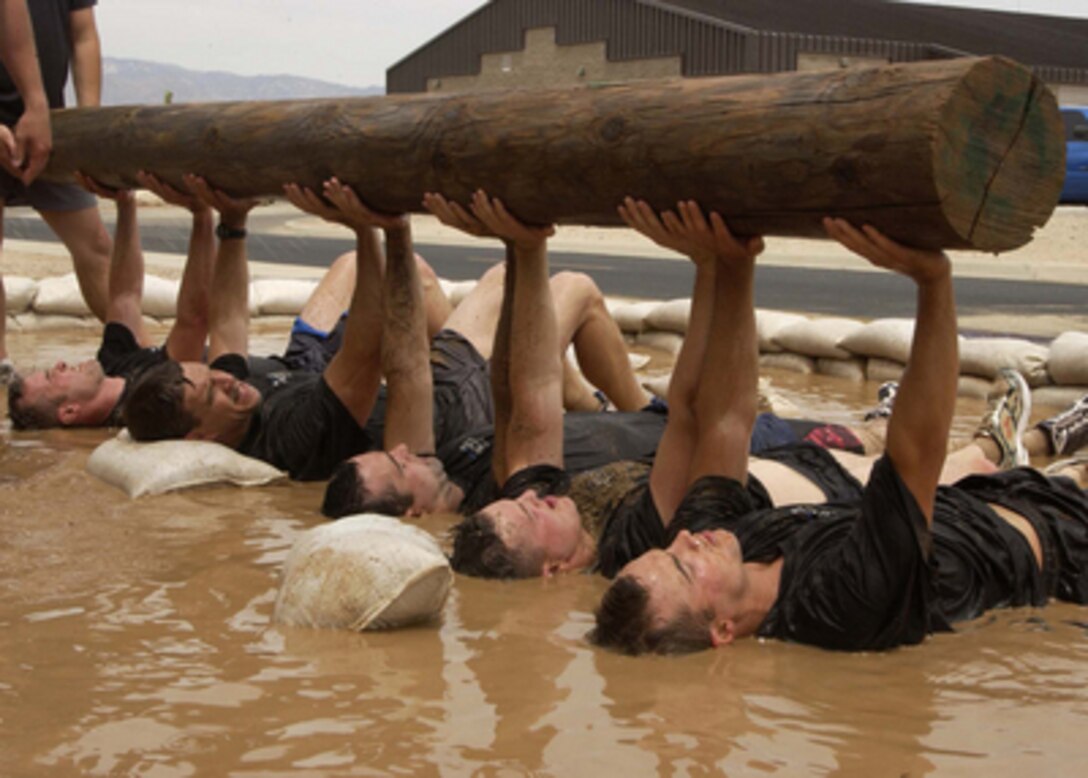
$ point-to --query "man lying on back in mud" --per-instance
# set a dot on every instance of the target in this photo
(91, 393)
(619, 511)
(901, 560)
(458, 478)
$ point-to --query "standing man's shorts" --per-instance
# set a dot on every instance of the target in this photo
(44, 195)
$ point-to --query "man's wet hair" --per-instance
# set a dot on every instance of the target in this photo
(624, 624)
(155, 407)
(480, 552)
(347, 495)
(25, 415)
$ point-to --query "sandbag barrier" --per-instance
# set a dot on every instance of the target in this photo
(846, 348)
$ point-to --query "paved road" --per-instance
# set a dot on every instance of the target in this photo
(830, 292)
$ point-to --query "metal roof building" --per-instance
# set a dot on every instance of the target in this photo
(559, 42)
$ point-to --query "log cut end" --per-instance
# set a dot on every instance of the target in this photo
(1000, 154)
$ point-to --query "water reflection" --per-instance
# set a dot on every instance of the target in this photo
(136, 638)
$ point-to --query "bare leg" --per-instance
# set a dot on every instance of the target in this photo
(1078, 472)
(332, 295)
(972, 459)
(477, 317)
(436, 305)
(577, 395)
(602, 354)
(90, 246)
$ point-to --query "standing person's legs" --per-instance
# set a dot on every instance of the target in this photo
(87, 240)
(602, 354)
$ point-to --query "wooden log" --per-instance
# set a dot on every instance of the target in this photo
(963, 153)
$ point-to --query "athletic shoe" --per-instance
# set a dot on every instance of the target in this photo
(1068, 431)
(603, 403)
(1062, 464)
(885, 401)
(1007, 418)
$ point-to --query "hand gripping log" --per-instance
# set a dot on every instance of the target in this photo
(962, 153)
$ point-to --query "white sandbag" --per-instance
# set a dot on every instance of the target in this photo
(671, 316)
(282, 296)
(794, 363)
(44, 322)
(456, 291)
(817, 337)
(986, 356)
(1068, 360)
(669, 342)
(20, 294)
(852, 369)
(160, 297)
(657, 385)
(168, 465)
(1057, 397)
(769, 324)
(881, 370)
(883, 338)
(974, 386)
(631, 317)
(60, 295)
(363, 572)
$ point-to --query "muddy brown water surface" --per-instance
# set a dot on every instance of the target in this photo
(136, 639)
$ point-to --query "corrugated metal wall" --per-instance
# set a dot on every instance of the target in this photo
(640, 29)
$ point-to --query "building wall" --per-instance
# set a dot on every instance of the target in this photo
(1071, 94)
(806, 61)
(542, 63)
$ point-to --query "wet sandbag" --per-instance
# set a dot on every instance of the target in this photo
(987, 356)
(168, 465)
(282, 296)
(1068, 360)
(363, 572)
(160, 298)
(60, 295)
(20, 293)
(769, 324)
(817, 337)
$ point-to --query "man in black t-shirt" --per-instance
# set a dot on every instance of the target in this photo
(302, 424)
(89, 394)
(904, 559)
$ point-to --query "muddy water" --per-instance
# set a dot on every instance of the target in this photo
(136, 639)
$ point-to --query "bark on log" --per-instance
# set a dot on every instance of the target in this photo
(964, 153)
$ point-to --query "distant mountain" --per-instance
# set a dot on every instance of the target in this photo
(133, 81)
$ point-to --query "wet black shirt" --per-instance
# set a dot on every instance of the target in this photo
(301, 426)
(590, 440)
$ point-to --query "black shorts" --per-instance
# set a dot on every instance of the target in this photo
(1057, 510)
(45, 195)
(309, 350)
(819, 466)
(771, 431)
(462, 387)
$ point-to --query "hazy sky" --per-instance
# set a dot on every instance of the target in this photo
(348, 42)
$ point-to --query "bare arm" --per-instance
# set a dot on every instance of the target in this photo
(86, 58)
(126, 279)
(705, 243)
(354, 374)
(922, 417)
(190, 330)
(533, 431)
(33, 133)
(228, 306)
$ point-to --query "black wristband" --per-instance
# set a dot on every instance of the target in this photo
(223, 232)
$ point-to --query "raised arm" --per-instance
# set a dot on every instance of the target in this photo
(228, 305)
(688, 232)
(189, 333)
(917, 437)
(354, 374)
(126, 279)
(532, 428)
(86, 58)
(33, 133)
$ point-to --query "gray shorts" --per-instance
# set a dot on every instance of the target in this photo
(44, 195)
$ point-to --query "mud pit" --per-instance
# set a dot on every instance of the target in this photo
(135, 639)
